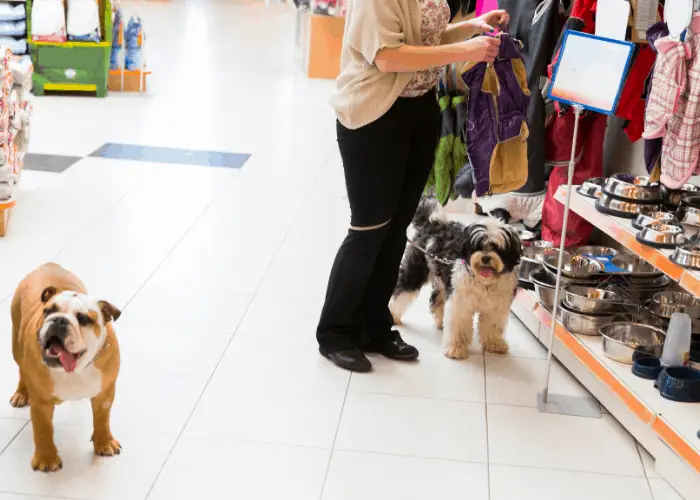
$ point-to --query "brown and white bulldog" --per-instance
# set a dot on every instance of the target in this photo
(66, 349)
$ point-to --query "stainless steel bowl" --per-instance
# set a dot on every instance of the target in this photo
(592, 188)
(526, 235)
(661, 236)
(542, 244)
(636, 267)
(687, 256)
(617, 207)
(573, 266)
(622, 338)
(544, 287)
(590, 300)
(595, 252)
(688, 215)
(633, 188)
(583, 324)
(673, 197)
(538, 254)
(664, 304)
(643, 220)
(526, 267)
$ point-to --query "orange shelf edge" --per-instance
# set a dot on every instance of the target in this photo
(602, 373)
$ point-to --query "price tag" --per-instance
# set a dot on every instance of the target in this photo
(611, 19)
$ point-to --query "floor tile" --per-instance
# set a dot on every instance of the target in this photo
(9, 428)
(84, 476)
(525, 437)
(509, 483)
(12, 496)
(49, 163)
(171, 155)
(517, 381)
(649, 463)
(186, 310)
(662, 491)
(224, 469)
(167, 351)
(522, 343)
(432, 376)
(367, 476)
(416, 427)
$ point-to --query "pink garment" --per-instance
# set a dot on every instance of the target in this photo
(484, 6)
(667, 86)
(435, 16)
(681, 144)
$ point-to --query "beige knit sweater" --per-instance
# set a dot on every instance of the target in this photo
(363, 93)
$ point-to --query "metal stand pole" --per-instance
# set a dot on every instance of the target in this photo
(565, 405)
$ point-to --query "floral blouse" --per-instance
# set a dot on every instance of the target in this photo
(435, 16)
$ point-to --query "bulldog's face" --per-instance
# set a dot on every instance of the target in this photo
(73, 329)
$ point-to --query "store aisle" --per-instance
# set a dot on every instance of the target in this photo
(221, 274)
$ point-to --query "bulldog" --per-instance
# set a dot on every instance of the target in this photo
(64, 344)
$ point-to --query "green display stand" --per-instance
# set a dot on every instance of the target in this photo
(72, 66)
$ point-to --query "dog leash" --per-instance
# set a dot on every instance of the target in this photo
(447, 262)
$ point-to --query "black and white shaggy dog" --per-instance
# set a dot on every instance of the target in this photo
(472, 270)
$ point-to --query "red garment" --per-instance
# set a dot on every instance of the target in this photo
(589, 149)
(632, 103)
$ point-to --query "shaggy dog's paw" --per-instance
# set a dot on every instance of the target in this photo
(19, 400)
(456, 352)
(46, 463)
(499, 346)
(107, 448)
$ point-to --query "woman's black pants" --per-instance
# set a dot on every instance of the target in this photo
(387, 164)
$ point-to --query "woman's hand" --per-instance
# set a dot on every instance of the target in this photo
(480, 49)
(490, 20)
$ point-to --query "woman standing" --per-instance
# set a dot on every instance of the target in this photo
(388, 126)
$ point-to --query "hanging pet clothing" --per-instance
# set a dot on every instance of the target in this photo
(441, 176)
(681, 143)
(498, 94)
(652, 147)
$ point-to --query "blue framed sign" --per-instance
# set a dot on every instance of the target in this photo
(591, 71)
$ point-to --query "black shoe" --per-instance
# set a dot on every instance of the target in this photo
(349, 359)
(395, 349)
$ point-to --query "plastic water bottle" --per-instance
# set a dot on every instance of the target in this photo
(677, 345)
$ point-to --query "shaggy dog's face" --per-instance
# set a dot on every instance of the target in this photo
(491, 249)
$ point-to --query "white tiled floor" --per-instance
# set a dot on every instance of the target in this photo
(221, 276)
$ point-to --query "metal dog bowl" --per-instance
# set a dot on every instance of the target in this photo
(643, 220)
(544, 287)
(596, 252)
(636, 267)
(583, 324)
(633, 188)
(688, 215)
(664, 304)
(661, 236)
(592, 188)
(573, 266)
(673, 197)
(687, 256)
(526, 267)
(589, 300)
(622, 338)
(626, 209)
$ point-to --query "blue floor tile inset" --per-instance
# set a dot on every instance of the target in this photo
(171, 155)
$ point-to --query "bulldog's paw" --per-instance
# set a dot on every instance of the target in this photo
(457, 352)
(48, 463)
(19, 399)
(107, 448)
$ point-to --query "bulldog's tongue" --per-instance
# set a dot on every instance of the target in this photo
(485, 272)
(67, 360)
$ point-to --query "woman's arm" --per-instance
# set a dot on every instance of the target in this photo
(409, 58)
(466, 29)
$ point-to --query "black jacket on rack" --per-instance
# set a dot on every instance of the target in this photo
(536, 23)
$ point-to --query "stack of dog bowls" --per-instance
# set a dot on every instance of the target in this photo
(664, 304)
(627, 196)
(531, 260)
(673, 197)
(626, 341)
(585, 309)
(592, 188)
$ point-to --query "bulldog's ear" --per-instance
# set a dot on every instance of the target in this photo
(48, 293)
(109, 312)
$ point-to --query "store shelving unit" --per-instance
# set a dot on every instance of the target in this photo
(667, 429)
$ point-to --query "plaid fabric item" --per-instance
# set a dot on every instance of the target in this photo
(681, 147)
(668, 84)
